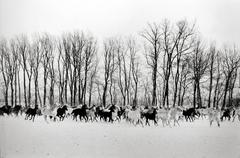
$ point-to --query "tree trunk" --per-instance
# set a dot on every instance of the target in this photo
(44, 87)
(199, 96)
(154, 85)
(36, 89)
(215, 91)
(194, 94)
(29, 91)
(104, 94)
(25, 87)
(15, 87)
(12, 92)
(225, 91)
(176, 84)
(6, 96)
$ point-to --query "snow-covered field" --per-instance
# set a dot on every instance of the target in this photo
(24, 139)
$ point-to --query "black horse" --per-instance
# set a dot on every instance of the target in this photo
(1, 113)
(31, 112)
(6, 109)
(121, 113)
(17, 109)
(106, 114)
(226, 114)
(61, 112)
(190, 114)
(150, 115)
(81, 112)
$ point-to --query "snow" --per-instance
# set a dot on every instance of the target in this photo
(24, 139)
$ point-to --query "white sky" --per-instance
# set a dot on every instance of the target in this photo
(217, 19)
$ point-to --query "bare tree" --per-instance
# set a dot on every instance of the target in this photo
(109, 55)
(4, 58)
(184, 79)
(217, 87)
(124, 70)
(29, 69)
(52, 76)
(61, 71)
(198, 65)
(135, 67)
(89, 55)
(153, 36)
(92, 78)
(230, 64)
(12, 65)
(37, 57)
(23, 46)
(16, 67)
(47, 47)
(212, 58)
(183, 41)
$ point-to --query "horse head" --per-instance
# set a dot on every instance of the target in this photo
(65, 108)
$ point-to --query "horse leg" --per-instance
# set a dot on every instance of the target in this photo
(218, 123)
(45, 118)
(163, 123)
(86, 118)
(211, 123)
(148, 122)
(176, 121)
(142, 123)
(233, 118)
(31, 117)
(155, 122)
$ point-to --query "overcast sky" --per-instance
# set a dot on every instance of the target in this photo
(216, 19)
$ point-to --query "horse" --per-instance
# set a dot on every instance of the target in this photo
(121, 113)
(6, 109)
(61, 112)
(81, 112)
(164, 116)
(134, 116)
(150, 115)
(214, 115)
(175, 114)
(226, 114)
(190, 114)
(203, 112)
(17, 109)
(31, 112)
(51, 113)
(236, 113)
(108, 113)
(91, 113)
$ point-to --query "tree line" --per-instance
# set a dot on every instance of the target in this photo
(167, 64)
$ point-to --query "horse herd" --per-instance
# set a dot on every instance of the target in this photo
(135, 115)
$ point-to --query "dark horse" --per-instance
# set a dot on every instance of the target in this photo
(150, 115)
(226, 114)
(190, 114)
(121, 113)
(106, 114)
(81, 112)
(5, 109)
(17, 109)
(31, 112)
(61, 112)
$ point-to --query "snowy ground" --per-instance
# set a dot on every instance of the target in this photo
(24, 139)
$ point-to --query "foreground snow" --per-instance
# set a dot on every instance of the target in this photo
(24, 139)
